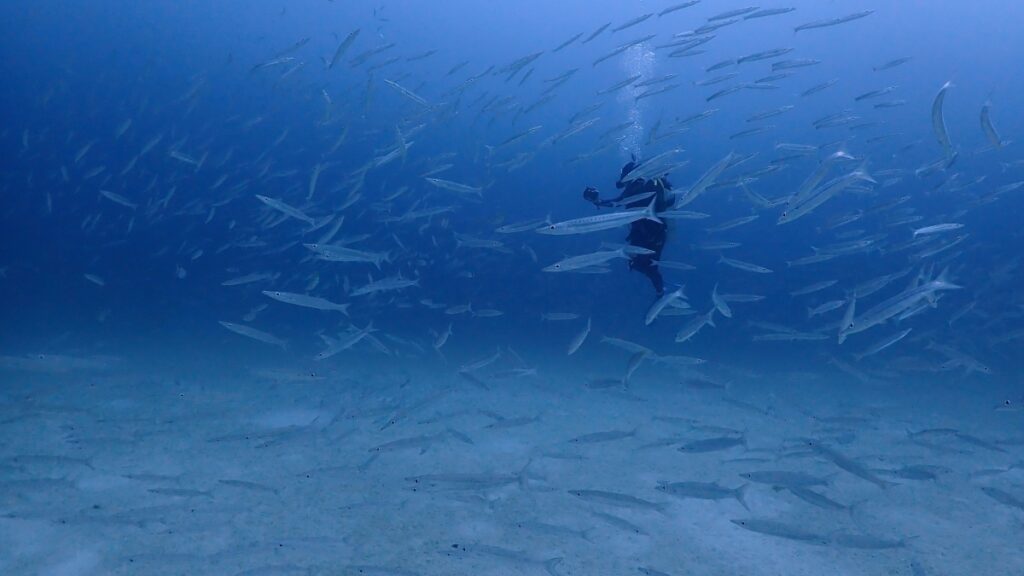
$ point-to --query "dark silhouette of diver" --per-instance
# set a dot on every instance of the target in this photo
(642, 233)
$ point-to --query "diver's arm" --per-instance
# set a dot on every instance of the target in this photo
(627, 193)
(591, 195)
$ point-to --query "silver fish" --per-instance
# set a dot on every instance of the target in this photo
(989, 129)
(784, 478)
(343, 47)
(833, 21)
(705, 181)
(455, 186)
(578, 340)
(703, 491)
(617, 499)
(306, 301)
(661, 303)
(385, 285)
(720, 304)
(286, 209)
(253, 333)
(607, 436)
(334, 253)
(694, 326)
(939, 122)
(1003, 497)
(779, 530)
(713, 444)
(745, 266)
(595, 258)
(600, 222)
(937, 228)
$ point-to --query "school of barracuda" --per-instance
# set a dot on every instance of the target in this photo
(847, 403)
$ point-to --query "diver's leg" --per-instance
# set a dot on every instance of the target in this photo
(645, 265)
(656, 242)
(659, 283)
(650, 235)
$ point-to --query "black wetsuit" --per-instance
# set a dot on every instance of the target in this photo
(643, 233)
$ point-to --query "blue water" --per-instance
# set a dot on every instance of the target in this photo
(142, 436)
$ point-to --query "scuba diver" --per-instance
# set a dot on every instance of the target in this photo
(637, 193)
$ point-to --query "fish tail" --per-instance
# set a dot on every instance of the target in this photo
(852, 508)
(444, 359)
(523, 478)
(650, 214)
(741, 495)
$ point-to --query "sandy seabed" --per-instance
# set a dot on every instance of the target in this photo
(413, 471)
